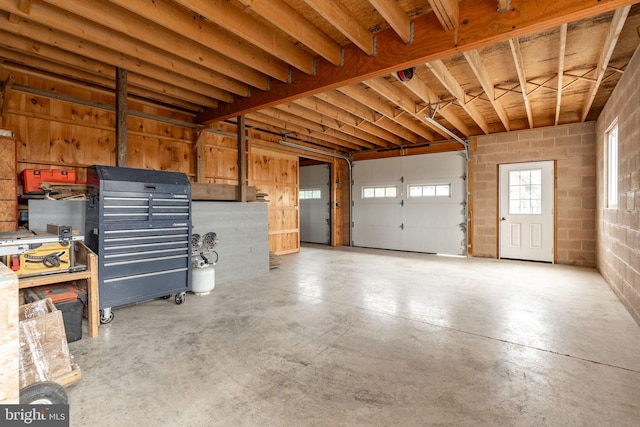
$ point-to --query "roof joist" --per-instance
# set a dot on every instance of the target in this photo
(483, 26)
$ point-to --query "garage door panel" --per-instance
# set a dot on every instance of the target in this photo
(430, 223)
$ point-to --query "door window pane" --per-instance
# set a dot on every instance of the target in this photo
(525, 192)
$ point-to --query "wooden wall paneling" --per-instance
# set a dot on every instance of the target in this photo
(8, 185)
(277, 174)
(62, 148)
(221, 157)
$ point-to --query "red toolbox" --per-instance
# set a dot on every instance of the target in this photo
(32, 178)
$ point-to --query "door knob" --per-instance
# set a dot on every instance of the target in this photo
(503, 219)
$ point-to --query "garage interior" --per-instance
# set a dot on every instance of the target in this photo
(425, 290)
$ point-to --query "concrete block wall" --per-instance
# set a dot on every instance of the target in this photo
(618, 230)
(573, 147)
(243, 233)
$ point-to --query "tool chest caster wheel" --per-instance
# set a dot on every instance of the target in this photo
(181, 297)
(106, 316)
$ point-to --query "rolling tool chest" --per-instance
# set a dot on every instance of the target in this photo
(138, 222)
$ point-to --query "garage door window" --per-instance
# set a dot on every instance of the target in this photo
(310, 194)
(430, 190)
(381, 192)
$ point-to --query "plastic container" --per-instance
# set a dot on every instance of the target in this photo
(33, 178)
(72, 319)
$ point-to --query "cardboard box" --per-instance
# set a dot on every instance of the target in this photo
(44, 353)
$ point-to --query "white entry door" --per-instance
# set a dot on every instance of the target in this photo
(315, 204)
(527, 211)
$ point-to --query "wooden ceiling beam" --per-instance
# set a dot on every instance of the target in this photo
(297, 26)
(366, 113)
(448, 13)
(311, 125)
(330, 122)
(484, 26)
(445, 77)
(24, 6)
(303, 132)
(481, 73)
(97, 84)
(179, 20)
(424, 92)
(396, 17)
(78, 62)
(134, 30)
(334, 110)
(138, 85)
(97, 42)
(263, 123)
(342, 19)
(232, 19)
(388, 91)
(349, 105)
(368, 98)
(561, 54)
(519, 63)
(619, 18)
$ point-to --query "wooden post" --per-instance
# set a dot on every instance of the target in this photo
(201, 156)
(242, 161)
(5, 87)
(121, 117)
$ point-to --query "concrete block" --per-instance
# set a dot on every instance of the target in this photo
(243, 234)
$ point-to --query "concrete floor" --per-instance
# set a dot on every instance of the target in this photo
(346, 336)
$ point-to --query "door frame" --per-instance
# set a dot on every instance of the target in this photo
(555, 207)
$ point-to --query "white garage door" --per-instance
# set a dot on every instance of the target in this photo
(412, 203)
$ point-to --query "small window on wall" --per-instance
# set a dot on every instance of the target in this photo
(612, 165)
(435, 190)
(310, 194)
(389, 191)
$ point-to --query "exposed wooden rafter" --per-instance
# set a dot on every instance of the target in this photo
(447, 12)
(96, 41)
(388, 91)
(484, 27)
(619, 18)
(481, 73)
(297, 26)
(342, 19)
(207, 36)
(395, 16)
(139, 29)
(443, 74)
(519, 63)
(561, 54)
(232, 19)
(362, 95)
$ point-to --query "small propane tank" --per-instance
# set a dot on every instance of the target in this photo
(203, 279)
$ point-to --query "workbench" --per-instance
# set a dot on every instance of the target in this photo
(89, 276)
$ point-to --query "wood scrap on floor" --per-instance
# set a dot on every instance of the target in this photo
(274, 261)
